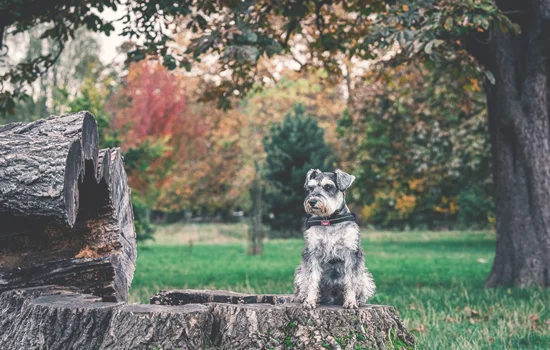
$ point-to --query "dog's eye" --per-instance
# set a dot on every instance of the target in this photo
(328, 187)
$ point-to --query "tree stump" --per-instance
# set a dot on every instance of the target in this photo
(65, 208)
(249, 321)
(67, 258)
(56, 318)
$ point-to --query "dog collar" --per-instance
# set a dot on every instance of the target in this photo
(318, 221)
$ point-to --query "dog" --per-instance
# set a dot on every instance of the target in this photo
(332, 271)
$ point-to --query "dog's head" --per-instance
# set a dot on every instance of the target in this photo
(325, 191)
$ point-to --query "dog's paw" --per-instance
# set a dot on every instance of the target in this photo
(350, 304)
(309, 305)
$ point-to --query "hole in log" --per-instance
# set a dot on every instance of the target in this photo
(28, 241)
(32, 248)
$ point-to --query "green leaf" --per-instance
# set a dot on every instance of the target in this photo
(448, 23)
(251, 37)
(503, 27)
(186, 64)
(428, 47)
(169, 62)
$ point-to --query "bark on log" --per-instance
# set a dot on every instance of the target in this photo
(53, 318)
(42, 163)
(65, 209)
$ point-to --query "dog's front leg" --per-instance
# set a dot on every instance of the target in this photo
(313, 281)
(350, 298)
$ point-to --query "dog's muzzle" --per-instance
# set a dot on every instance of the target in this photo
(315, 205)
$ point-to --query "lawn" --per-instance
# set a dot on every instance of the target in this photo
(434, 279)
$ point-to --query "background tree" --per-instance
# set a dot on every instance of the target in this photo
(53, 89)
(149, 114)
(420, 148)
(292, 148)
(510, 38)
(208, 176)
(263, 107)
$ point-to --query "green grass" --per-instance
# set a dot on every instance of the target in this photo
(434, 280)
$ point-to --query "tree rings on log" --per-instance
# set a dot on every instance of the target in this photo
(65, 208)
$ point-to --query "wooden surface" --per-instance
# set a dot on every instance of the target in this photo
(65, 209)
(53, 318)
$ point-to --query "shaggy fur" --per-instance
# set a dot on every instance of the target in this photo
(333, 269)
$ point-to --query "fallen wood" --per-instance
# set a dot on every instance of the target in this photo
(65, 209)
(42, 164)
(53, 318)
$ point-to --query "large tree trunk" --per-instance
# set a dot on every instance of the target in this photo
(65, 210)
(518, 121)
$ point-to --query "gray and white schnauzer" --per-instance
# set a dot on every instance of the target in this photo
(333, 269)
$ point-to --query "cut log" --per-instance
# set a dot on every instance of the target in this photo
(65, 209)
(42, 163)
(53, 318)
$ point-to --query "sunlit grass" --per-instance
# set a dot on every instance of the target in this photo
(434, 279)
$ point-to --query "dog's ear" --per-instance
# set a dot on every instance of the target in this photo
(343, 179)
(310, 175)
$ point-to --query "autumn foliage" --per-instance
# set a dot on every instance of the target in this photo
(421, 150)
(412, 134)
(182, 155)
(152, 103)
(149, 117)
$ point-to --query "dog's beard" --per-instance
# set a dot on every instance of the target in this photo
(324, 207)
(320, 208)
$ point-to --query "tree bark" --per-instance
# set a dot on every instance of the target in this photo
(42, 163)
(65, 209)
(519, 127)
(53, 318)
(255, 244)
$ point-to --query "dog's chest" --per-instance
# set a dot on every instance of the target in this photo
(331, 240)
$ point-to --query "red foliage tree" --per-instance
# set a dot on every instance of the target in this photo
(149, 114)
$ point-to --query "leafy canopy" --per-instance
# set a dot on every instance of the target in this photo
(240, 33)
(421, 149)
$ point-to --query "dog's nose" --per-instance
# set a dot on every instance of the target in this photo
(312, 201)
